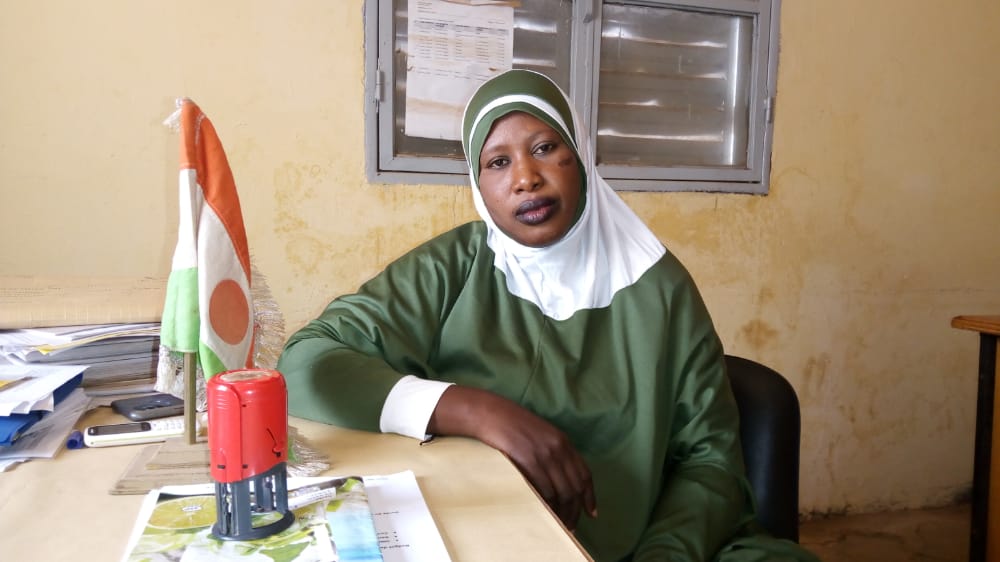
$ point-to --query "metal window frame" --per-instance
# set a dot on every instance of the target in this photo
(382, 166)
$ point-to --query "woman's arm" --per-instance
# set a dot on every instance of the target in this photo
(543, 453)
(340, 367)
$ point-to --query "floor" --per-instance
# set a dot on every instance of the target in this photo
(925, 535)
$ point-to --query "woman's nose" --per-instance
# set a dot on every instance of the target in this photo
(526, 176)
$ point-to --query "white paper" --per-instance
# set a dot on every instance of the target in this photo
(30, 344)
(406, 530)
(452, 49)
(28, 388)
(7, 464)
(48, 435)
(16, 339)
(89, 334)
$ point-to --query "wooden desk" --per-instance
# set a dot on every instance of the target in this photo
(59, 509)
(985, 537)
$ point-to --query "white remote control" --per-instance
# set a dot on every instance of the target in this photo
(132, 433)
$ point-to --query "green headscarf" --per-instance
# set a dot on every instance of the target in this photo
(608, 247)
(517, 90)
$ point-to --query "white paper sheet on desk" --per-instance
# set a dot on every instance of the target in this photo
(405, 528)
(29, 387)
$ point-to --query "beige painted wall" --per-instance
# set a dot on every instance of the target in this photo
(880, 226)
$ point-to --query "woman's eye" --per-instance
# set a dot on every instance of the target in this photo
(545, 147)
(497, 163)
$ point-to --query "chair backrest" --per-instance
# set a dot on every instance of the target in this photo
(770, 430)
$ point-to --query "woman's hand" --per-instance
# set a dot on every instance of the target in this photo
(542, 453)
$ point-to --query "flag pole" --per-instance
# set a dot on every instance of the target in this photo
(190, 399)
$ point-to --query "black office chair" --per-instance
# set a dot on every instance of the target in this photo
(770, 431)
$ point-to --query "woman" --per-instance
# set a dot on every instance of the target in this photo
(558, 330)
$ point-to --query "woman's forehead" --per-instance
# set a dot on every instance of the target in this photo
(516, 125)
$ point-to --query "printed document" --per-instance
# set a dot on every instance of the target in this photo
(350, 519)
(452, 49)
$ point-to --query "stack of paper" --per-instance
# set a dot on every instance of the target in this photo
(119, 358)
(39, 404)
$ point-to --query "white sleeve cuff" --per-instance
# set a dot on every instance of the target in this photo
(409, 405)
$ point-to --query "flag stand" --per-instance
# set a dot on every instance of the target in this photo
(204, 170)
(179, 460)
(190, 399)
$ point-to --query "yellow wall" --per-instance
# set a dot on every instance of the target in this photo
(880, 226)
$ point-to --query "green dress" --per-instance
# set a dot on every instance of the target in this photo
(639, 386)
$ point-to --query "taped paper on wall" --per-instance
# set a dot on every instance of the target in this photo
(452, 49)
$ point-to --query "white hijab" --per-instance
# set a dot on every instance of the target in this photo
(606, 250)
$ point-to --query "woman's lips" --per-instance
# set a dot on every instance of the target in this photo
(535, 211)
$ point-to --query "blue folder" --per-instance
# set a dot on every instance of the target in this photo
(15, 425)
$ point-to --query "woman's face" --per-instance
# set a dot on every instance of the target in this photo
(529, 180)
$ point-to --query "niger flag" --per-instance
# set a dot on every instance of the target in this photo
(208, 309)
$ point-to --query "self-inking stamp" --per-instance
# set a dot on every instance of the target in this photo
(248, 449)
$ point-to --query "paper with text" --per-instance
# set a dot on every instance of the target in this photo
(452, 49)
(405, 528)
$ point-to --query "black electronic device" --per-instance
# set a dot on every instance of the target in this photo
(149, 407)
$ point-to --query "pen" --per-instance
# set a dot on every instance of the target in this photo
(314, 492)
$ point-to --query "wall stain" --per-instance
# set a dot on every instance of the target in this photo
(814, 374)
(848, 412)
(295, 189)
(800, 175)
(306, 253)
(758, 334)
(765, 296)
(695, 224)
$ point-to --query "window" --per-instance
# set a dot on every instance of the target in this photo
(681, 93)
